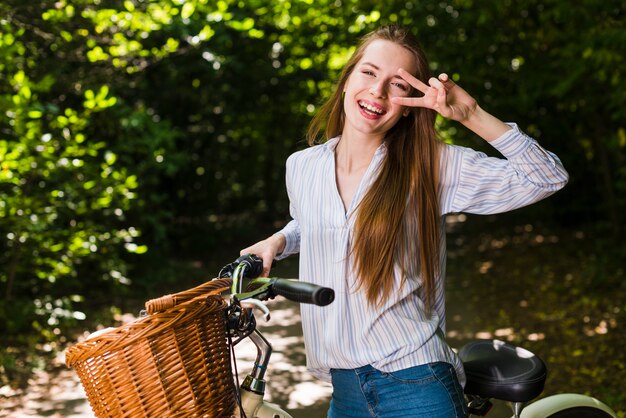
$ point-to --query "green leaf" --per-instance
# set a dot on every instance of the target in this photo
(187, 10)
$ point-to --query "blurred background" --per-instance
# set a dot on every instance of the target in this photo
(142, 144)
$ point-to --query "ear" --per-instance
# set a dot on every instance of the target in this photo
(406, 112)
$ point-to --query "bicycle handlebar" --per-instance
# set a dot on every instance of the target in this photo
(250, 265)
(303, 292)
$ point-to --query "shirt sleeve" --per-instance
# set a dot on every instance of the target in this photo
(291, 231)
(472, 182)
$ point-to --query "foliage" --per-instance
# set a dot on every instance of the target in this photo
(136, 132)
(66, 184)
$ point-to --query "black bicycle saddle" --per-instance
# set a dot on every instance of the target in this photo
(499, 370)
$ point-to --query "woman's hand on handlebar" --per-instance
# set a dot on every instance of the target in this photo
(267, 250)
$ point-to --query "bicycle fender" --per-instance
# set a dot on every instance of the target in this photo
(552, 404)
(255, 407)
(270, 410)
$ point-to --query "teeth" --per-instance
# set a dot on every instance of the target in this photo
(371, 108)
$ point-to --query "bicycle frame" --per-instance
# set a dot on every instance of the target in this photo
(252, 389)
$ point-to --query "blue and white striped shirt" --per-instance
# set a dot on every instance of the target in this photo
(349, 333)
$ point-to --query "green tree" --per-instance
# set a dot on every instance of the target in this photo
(68, 182)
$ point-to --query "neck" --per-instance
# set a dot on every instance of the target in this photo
(355, 152)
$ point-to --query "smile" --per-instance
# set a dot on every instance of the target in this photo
(371, 108)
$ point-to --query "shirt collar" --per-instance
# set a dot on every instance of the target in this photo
(331, 144)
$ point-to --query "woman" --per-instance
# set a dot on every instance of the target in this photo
(368, 207)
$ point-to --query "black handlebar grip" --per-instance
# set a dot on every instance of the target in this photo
(303, 292)
(253, 265)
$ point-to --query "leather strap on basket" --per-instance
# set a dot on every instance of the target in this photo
(210, 288)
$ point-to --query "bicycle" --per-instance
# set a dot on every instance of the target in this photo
(494, 369)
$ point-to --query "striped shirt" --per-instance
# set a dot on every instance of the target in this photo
(349, 333)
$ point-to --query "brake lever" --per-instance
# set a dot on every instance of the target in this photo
(261, 306)
(263, 292)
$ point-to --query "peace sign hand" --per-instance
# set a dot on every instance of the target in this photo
(442, 95)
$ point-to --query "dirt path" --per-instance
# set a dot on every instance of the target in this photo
(56, 393)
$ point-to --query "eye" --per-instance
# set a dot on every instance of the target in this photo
(401, 86)
(368, 72)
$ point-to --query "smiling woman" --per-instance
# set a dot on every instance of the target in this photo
(368, 205)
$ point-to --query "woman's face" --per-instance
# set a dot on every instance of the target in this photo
(372, 84)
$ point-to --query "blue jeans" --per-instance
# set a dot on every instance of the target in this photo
(430, 390)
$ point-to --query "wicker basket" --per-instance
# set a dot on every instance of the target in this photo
(174, 362)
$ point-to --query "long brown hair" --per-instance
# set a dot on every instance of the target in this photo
(399, 217)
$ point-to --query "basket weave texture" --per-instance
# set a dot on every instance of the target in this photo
(174, 362)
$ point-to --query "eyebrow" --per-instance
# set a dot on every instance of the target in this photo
(376, 67)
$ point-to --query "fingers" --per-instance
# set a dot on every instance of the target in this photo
(442, 85)
(440, 94)
(446, 80)
(441, 98)
(409, 101)
(267, 261)
(434, 93)
(442, 81)
(436, 83)
(263, 250)
(267, 266)
(413, 81)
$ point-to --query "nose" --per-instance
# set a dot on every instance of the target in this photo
(378, 89)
